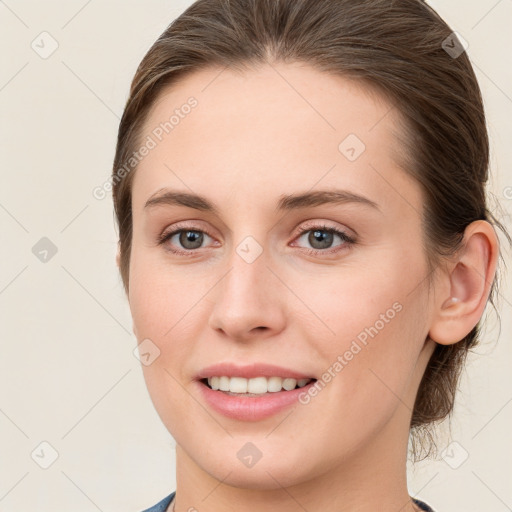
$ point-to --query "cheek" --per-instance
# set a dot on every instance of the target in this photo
(357, 304)
(159, 295)
(159, 311)
(369, 369)
(165, 303)
(162, 313)
(376, 326)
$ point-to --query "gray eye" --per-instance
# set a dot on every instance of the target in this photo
(189, 239)
(320, 239)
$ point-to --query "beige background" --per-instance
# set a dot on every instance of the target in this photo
(68, 374)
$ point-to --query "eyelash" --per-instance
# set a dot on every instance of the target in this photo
(347, 240)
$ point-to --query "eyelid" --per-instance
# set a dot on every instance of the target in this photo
(323, 224)
(183, 226)
(191, 225)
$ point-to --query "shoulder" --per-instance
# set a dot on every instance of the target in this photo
(423, 505)
(161, 506)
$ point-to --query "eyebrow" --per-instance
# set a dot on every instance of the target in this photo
(285, 203)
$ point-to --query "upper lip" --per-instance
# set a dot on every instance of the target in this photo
(250, 371)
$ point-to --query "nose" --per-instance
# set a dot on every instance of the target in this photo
(249, 302)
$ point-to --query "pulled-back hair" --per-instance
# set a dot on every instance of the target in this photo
(400, 48)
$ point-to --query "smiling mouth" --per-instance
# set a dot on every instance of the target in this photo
(254, 387)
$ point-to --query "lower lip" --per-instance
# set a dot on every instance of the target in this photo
(251, 408)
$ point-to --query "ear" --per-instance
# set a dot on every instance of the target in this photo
(118, 254)
(466, 285)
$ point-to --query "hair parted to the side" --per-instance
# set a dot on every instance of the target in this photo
(394, 47)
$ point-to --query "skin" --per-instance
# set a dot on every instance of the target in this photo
(252, 138)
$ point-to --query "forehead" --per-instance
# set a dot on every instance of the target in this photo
(286, 125)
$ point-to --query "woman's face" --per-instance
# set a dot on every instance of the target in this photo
(303, 259)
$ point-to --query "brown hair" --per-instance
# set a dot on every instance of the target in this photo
(400, 48)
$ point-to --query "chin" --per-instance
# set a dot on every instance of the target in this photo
(268, 473)
(265, 478)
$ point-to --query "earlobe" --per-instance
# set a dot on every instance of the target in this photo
(470, 277)
(118, 255)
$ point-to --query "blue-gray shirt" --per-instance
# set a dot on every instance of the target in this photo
(161, 506)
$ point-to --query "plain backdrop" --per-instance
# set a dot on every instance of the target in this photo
(77, 428)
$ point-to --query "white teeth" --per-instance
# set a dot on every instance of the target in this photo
(256, 385)
(214, 382)
(238, 385)
(224, 383)
(274, 384)
(289, 384)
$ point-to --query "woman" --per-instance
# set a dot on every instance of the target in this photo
(305, 245)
